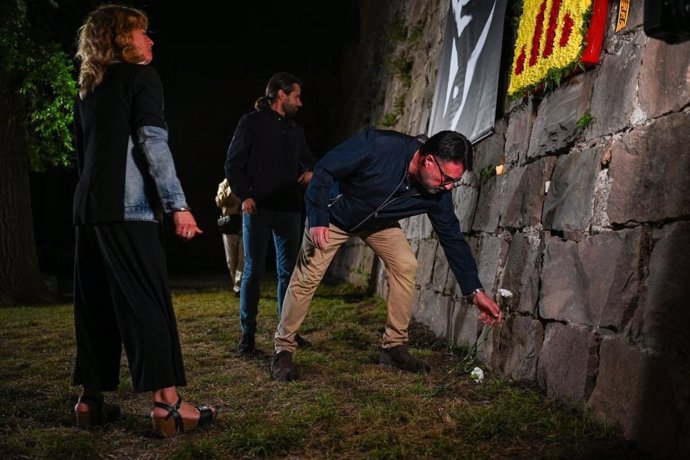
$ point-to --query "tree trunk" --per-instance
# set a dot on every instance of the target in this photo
(20, 277)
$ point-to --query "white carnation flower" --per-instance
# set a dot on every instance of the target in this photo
(504, 293)
(477, 375)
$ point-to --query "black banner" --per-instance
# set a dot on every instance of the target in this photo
(467, 85)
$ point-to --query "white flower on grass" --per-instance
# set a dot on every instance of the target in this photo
(477, 375)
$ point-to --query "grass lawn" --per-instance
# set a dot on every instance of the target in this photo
(345, 406)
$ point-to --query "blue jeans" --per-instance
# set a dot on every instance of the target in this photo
(286, 229)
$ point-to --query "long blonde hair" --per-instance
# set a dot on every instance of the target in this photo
(105, 38)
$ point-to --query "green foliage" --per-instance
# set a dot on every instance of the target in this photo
(399, 65)
(403, 68)
(584, 121)
(416, 33)
(487, 172)
(398, 32)
(391, 118)
(41, 75)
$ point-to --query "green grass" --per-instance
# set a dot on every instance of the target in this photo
(345, 406)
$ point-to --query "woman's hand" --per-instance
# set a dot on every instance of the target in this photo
(185, 225)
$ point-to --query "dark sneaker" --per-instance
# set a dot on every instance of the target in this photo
(302, 342)
(246, 345)
(282, 367)
(400, 358)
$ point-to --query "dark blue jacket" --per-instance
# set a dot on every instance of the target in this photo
(362, 185)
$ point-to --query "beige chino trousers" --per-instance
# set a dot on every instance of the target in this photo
(401, 268)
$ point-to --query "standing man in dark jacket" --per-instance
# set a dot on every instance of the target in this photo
(269, 164)
(381, 177)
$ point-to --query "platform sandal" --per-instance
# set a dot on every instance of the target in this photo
(173, 423)
(99, 413)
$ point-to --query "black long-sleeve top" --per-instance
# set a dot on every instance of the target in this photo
(267, 154)
(126, 169)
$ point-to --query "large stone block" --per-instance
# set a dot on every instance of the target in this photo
(614, 98)
(523, 196)
(665, 78)
(568, 362)
(519, 347)
(381, 279)
(490, 197)
(556, 125)
(426, 258)
(490, 258)
(490, 151)
(518, 133)
(522, 269)
(423, 306)
(441, 272)
(563, 292)
(465, 200)
(464, 324)
(569, 204)
(638, 391)
(417, 227)
(611, 262)
(594, 282)
(440, 315)
(353, 263)
(650, 172)
(663, 324)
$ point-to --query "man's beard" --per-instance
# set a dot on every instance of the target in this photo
(424, 180)
(290, 110)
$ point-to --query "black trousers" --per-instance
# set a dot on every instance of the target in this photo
(121, 296)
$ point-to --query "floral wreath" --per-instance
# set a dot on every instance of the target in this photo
(554, 39)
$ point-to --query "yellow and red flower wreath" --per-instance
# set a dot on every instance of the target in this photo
(553, 36)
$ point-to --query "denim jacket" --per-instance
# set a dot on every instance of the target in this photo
(151, 183)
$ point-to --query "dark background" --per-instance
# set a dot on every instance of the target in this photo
(213, 66)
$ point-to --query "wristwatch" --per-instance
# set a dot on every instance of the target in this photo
(182, 209)
(470, 297)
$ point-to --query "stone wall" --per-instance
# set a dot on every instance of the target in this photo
(589, 226)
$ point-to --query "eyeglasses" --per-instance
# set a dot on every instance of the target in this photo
(446, 178)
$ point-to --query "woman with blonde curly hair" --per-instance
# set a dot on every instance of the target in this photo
(127, 183)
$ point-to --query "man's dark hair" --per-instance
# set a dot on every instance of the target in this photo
(449, 146)
(281, 80)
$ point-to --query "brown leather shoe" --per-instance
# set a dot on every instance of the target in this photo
(282, 367)
(400, 358)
